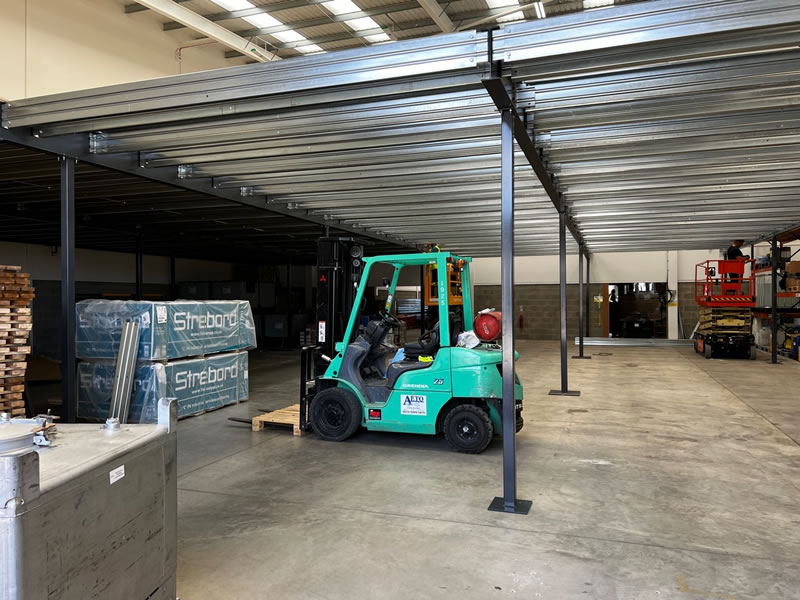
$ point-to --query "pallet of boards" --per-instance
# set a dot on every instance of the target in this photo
(728, 320)
(16, 294)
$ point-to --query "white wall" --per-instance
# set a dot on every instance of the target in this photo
(114, 267)
(51, 46)
(607, 267)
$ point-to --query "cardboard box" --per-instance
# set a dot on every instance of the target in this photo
(793, 266)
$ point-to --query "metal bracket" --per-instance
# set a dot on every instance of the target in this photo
(98, 142)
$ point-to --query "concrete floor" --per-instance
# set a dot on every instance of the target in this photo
(671, 476)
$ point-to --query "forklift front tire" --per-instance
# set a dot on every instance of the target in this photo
(468, 428)
(335, 414)
(707, 351)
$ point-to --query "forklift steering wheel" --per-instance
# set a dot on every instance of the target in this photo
(390, 319)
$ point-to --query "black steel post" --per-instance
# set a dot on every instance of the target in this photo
(508, 502)
(581, 305)
(774, 301)
(139, 269)
(562, 289)
(588, 300)
(68, 404)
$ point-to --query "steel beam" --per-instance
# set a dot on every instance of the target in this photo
(136, 7)
(438, 15)
(497, 90)
(68, 365)
(582, 318)
(203, 26)
(508, 502)
(562, 293)
(77, 147)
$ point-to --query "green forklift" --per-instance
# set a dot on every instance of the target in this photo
(430, 386)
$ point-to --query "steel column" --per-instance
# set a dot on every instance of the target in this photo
(139, 268)
(562, 294)
(588, 300)
(774, 302)
(68, 376)
(581, 305)
(508, 502)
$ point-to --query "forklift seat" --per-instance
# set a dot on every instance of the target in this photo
(414, 350)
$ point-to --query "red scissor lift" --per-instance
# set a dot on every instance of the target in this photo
(726, 297)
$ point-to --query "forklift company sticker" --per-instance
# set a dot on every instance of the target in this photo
(114, 475)
(161, 314)
(414, 405)
(321, 331)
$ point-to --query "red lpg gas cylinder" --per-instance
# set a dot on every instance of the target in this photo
(488, 326)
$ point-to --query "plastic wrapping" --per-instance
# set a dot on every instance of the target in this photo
(247, 327)
(198, 384)
(167, 330)
(244, 376)
(96, 383)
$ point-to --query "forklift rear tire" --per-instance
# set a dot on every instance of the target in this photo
(753, 352)
(707, 350)
(335, 414)
(467, 428)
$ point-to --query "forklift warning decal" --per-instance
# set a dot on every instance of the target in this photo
(413, 405)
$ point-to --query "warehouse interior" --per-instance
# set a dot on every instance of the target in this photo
(566, 231)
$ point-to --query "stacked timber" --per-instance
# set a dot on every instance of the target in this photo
(717, 319)
(16, 323)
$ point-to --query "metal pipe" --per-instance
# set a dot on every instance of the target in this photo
(68, 378)
(774, 303)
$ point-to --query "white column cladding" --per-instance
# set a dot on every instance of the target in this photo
(672, 284)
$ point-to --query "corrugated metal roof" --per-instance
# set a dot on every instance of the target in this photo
(402, 20)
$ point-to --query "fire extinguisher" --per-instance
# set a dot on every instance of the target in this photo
(521, 319)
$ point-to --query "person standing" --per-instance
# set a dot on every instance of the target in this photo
(734, 253)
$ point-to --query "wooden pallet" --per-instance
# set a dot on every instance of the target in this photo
(16, 323)
(285, 416)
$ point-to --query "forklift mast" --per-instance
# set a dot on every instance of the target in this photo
(339, 268)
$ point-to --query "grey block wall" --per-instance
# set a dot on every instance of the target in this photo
(540, 307)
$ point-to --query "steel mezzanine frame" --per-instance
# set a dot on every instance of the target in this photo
(423, 85)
